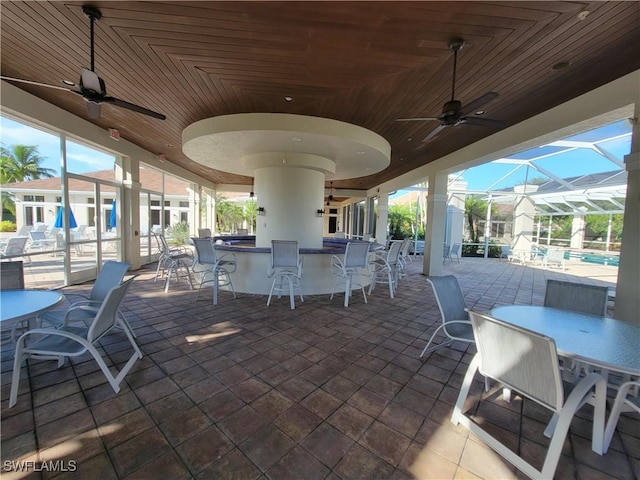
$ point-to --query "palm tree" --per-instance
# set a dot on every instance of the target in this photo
(22, 162)
(475, 208)
(19, 163)
(400, 218)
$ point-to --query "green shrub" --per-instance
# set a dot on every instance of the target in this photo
(7, 226)
(178, 233)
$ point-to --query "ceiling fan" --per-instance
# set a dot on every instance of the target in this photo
(91, 87)
(453, 113)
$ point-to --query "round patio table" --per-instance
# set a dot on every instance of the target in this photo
(16, 305)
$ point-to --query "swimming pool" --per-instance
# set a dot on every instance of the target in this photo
(597, 258)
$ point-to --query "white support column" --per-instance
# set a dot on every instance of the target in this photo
(523, 216)
(627, 303)
(607, 245)
(456, 221)
(436, 217)
(131, 211)
(383, 218)
(487, 228)
(577, 231)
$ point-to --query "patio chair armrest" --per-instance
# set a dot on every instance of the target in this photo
(69, 296)
(337, 266)
(228, 259)
(79, 308)
(52, 331)
(86, 303)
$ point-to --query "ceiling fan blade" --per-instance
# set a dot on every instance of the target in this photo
(93, 110)
(11, 79)
(485, 122)
(135, 108)
(477, 103)
(416, 119)
(90, 81)
(433, 133)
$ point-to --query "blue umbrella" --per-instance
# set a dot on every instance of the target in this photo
(112, 218)
(72, 219)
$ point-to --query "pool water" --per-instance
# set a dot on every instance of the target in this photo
(598, 258)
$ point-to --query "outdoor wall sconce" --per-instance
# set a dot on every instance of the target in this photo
(261, 211)
(320, 212)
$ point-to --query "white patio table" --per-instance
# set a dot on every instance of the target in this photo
(603, 342)
(16, 305)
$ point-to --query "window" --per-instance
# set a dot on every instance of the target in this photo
(33, 213)
(184, 217)
(184, 204)
(155, 203)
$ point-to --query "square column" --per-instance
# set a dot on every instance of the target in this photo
(523, 216)
(577, 231)
(436, 219)
(627, 304)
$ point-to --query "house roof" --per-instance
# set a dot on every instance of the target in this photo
(151, 180)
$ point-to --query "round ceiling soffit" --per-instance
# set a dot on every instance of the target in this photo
(241, 143)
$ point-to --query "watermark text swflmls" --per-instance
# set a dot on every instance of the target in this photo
(33, 466)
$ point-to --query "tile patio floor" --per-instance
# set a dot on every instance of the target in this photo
(245, 391)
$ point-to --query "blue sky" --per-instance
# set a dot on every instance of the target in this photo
(568, 164)
(82, 159)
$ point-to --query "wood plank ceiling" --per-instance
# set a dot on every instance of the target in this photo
(366, 63)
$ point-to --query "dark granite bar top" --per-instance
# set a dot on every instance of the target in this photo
(246, 243)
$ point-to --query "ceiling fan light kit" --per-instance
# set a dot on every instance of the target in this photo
(90, 86)
(453, 112)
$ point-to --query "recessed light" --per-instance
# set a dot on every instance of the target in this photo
(69, 82)
(170, 145)
(288, 98)
(560, 66)
(583, 15)
(296, 139)
(360, 152)
(409, 139)
(479, 112)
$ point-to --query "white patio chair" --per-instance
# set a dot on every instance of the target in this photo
(446, 253)
(527, 362)
(24, 230)
(577, 297)
(173, 261)
(385, 268)
(111, 275)
(404, 258)
(627, 399)
(15, 247)
(455, 318)
(455, 252)
(285, 266)
(213, 269)
(552, 257)
(71, 341)
(41, 241)
(354, 263)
